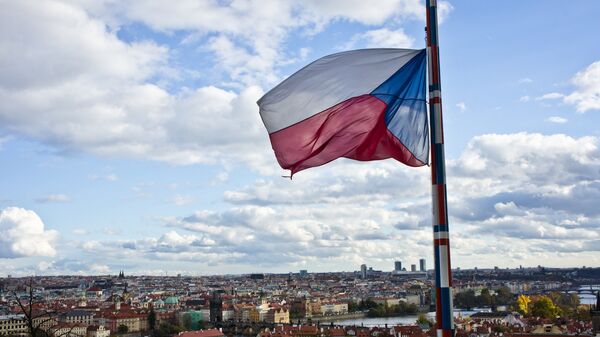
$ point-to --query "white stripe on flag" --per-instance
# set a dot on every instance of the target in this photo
(328, 81)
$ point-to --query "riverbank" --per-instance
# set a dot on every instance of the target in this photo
(335, 318)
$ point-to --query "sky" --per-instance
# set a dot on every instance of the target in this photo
(130, 138)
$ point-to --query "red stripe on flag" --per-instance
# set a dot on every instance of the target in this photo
(352, 129)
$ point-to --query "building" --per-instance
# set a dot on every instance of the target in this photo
(363, 271)
(13, 325)
(202, 333)
(97, 331)
(413, 267)
(422, 265)
(69, 330)
(398, 266)
(172, 303)
(278, 316)
(216, 308)
(77, 316)
(93, 292)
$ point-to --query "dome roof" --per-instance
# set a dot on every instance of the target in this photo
(172, 300)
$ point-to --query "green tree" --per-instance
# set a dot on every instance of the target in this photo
(465, 299)
(503, 296)
(121, 329)
(168, 329)
(423, 321)
(152, 319)
(544, 307)
(567, 303)
(485, 299)
(367, 304)
(186, 320)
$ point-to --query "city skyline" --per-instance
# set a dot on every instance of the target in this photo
(130, 140)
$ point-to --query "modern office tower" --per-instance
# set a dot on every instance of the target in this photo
(398, 266)
(413, 267)
(363, 270)
(422, 265)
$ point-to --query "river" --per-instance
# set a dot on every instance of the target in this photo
(411, 319)
(391, 321)
(589, 298)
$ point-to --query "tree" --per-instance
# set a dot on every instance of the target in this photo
(567, 303)
(39, 321)
(465, 299)
(523, 303)
(186, 321)
(152, 319)
(121, 329)
(367, 304)
(167, 329)
(485, 299)
(544, 307)
(503, 296)
(423, 321)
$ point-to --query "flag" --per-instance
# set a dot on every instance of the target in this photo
(366, 104)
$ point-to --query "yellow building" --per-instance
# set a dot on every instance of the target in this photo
(278, 315)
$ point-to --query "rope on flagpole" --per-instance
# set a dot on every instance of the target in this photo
(441, 239)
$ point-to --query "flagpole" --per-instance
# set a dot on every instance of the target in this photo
(441, 241)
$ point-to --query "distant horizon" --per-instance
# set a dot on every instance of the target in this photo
(293, 272)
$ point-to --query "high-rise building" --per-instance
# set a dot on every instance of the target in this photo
(363, 270)
(422, 265)
(413, 267)
(398, 266)
(216, 308)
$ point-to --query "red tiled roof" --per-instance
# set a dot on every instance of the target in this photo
(202, 333)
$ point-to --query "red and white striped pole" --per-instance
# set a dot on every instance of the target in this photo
(441, 240)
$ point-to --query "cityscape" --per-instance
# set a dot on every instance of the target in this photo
(521, 302)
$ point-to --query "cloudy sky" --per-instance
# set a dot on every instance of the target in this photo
(130, 138)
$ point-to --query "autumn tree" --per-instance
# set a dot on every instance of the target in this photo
(523, 302)
(544, 307)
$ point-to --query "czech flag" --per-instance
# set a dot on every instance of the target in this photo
(366, 104)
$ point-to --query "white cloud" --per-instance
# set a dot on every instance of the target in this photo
(525, 80)
(381, 38)
(587, 95)
(53, 198)
(73, 84)
(80, 231)
(461, 106)
(502, 191)
(180, 200)
(444, 10)
(556, 119)
(107, 177)
(22, 233)
(524, 99)
(96, 268)
(550, 96)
